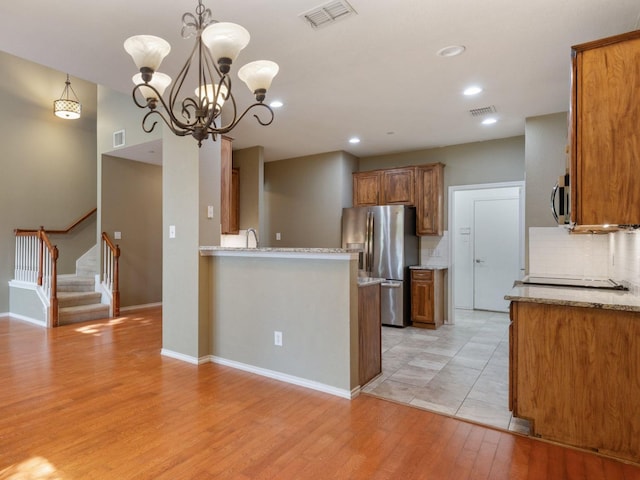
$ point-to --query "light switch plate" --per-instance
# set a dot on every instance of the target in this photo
(117, 235)
(210, 211)
(278, 236)
(172, 231)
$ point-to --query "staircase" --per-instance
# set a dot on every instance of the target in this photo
(50, 299)
(78, 301)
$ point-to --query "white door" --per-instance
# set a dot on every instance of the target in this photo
(496, 252)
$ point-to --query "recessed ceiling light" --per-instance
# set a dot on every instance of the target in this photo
(474, 90)
(451, 51)
(354, 140)
(489, 121)
(276, 104)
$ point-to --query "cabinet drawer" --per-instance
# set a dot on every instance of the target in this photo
(424, 275)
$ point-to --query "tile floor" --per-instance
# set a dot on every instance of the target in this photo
(459, 370)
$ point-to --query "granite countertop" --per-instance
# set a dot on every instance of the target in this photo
(323, 253)
(575, 297)
(428, 267)
(367, 281)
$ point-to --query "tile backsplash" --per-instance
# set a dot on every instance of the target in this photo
(237, 241)
(554, 251)
(434, 251)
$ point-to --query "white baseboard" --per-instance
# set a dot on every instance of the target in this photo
(140, 307)
(181, 356)
(34, 321)
(283, 377)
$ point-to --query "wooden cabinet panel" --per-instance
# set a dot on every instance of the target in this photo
(576, 374)
(369, 333)
(429, 212)
(605, 141)
(398, 186)
(427, 298)
(366, 189)
(229, 197)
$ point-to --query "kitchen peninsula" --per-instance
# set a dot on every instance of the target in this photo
(306, 296)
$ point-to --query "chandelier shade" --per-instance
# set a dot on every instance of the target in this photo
(215, 94)
(159, 82)
(147, 51)
(258, 75)
(217, 46)
(66, 107)
(225, 41)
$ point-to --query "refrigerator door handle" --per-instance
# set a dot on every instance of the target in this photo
(391, 284)
(369, 243)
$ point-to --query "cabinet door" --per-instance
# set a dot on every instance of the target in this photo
(605, 138)
(228, 225)
(369, 333)
(422, 296)
(366, 189)
(430, 187)
(398, 186)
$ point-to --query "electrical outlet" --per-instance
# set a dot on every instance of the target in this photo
(277, 338)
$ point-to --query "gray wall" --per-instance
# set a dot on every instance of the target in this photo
(132, 204)
(467, 164)
(545, 160)
(254, 296)
(304, 198)
(48, 164)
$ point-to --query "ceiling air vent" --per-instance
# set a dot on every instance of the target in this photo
(328, 13)
(479, 112)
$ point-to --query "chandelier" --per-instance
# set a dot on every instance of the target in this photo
(66, 107)
(216, 47)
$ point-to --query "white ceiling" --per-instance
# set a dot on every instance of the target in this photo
(375, 74)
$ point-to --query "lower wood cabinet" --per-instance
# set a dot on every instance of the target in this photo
(427, 298)
(369, 333)
(575, 374)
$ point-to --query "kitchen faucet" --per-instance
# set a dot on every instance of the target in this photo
(255, 234)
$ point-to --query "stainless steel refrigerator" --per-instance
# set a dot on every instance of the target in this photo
(386, 238)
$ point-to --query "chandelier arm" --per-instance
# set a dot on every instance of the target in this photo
(227, 128)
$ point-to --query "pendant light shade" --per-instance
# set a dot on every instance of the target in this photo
(65, 107)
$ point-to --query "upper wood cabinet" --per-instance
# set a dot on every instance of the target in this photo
(229, 190)
(605, 138)
(398, 186)
(366, 189)
(420, 186)
(430, 186)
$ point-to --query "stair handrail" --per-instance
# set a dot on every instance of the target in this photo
(109, 271)
(37, 263)
(60, 232)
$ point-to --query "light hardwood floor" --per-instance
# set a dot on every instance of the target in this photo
(98, 401)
